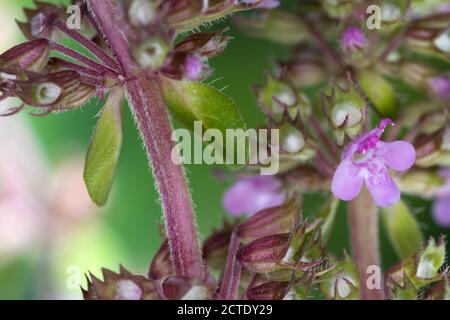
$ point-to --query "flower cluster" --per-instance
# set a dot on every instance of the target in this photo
(325, 100)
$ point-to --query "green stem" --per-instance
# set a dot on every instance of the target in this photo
(363, 220)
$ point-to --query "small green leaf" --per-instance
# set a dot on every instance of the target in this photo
(402, 229)
(327, 215)
(104, 150)
(380, 93)
(190, 102)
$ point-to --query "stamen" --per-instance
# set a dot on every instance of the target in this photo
(371, 139)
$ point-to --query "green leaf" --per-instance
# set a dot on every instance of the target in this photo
(104, 150)
(327, 216)
(380, 93)
(403, 230)
(193, 101)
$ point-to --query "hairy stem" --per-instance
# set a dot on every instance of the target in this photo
(80, 58)
(150, 112)
(89, 45)
(363, 219)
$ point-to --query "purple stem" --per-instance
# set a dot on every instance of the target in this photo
(231, 278)
(76, 67)
(79, 57)
(332, 150)
(363, 220)
(89, 45)
(146, 102)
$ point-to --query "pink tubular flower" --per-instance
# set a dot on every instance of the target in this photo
(193, 68)
(441, 206)
(353, 39)
(252, 194)
(366, 160)
(440, 86)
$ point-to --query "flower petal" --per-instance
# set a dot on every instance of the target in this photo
(399, 155)
(347, 182)
(253, 194)
(383, 189)
(441, 212)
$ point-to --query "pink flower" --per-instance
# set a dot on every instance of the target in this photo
(441, 206)
(252, 194)
(353, 39)
(366, 160)
(193, 68)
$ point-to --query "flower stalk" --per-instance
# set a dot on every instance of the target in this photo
(146, 102)
(363, 220)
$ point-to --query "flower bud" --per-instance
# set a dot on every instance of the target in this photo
(440, 291)
(306, 69)
(29, 56)
(142, 12)
(341, 282)
(57, 91)
(353, 39)
(161, 266)
(269, 291)
(185, 15)
(403, 290)
(270, 221)
(344, 108)
(264, 254)
(205, 44)
(380, 92)
(276, 96)
(393, 13)
(47, 93)
(434, 149)
(421, 268)
(421, 182)
(435, 41)
(120, 286)
(275, 25)
(415, 74)
(40, 21)
(431, 259)
(338, 8)
(182, 288)
(152, 53)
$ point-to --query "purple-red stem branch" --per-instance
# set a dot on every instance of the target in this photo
(232, 275)
(79, 57)
(146, 101)
(89, 45)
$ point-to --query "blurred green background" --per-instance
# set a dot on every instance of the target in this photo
(127, 231)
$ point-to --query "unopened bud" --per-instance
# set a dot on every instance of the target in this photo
(345, 110)
(269, 291)
(270, 221)
(275, 25)
(141, 12)
(29, 56)
(264, 254)
(152, 53)
(431, 259)
(47, 93)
